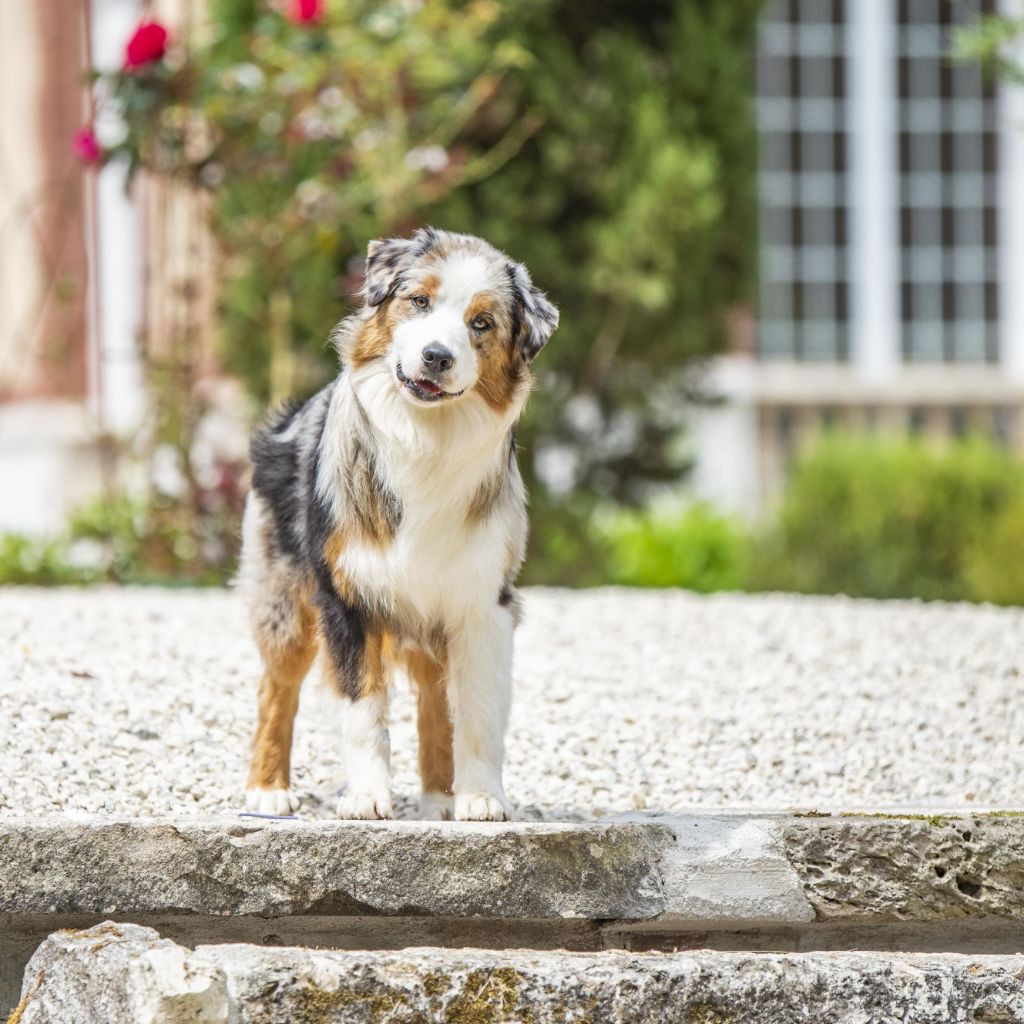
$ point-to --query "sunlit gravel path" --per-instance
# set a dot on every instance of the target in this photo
(141, 702)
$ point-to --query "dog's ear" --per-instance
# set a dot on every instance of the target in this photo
(386, 259)
(537, 316)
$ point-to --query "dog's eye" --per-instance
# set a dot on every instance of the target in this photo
(481, 323)
(420, 301)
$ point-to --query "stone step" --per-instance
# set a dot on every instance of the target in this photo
(729, 871)
(126, 974)
(785, 882)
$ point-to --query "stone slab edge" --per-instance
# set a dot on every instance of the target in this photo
(723, 871)
(116, 974)
(524, 870)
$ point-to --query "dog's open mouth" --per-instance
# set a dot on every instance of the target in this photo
(425, 390)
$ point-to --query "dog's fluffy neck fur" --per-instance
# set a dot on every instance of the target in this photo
(443, 453)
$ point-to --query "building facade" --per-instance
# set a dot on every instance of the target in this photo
(892, 243)
(90, 276)
(46, 359)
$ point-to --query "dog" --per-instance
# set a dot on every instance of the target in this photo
(386, 524)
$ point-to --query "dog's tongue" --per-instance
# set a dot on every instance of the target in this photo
(429, 386)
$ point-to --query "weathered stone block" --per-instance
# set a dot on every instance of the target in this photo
(535, 870)
(120, 973)
(903, 868)
(127, 975)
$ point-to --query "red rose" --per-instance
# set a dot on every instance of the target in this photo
(86, 148)
(302, 11)
(149, 43)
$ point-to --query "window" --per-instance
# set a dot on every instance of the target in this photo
(802, 131)
(944, 167)
(947, 189)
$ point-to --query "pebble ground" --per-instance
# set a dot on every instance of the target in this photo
(141, 702)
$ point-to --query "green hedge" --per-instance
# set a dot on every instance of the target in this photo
(859, 516)
(696, 548)
(899, 519)
(118, 539)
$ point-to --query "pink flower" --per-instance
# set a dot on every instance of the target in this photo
(147, 44)
(303, 11)
(85, 146)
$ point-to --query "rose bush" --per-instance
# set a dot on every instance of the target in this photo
(313, 127)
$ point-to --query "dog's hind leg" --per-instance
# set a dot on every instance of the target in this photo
(283, 625)
(284, 668)
(434, 722)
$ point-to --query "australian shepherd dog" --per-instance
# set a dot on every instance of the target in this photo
(386, 525)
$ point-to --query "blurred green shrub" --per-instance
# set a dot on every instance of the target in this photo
(994, 562)
(898, 519)
(39, 562)
(694, 547)
(157, 540)
(118, 539)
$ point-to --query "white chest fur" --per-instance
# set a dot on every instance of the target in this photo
(444, 560)
(440, 563)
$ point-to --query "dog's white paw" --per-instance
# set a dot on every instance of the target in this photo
(480, 807)
(365, 806)
(271, 801)
(436, 807)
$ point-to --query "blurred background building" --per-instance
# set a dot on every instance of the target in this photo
(86, 271)
(892, 243)
(48, 359)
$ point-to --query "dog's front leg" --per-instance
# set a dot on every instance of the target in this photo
(480, 690)
(367, 753)
(355, 655)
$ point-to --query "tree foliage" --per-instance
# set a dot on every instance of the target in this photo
(994, 42)
(608, 145)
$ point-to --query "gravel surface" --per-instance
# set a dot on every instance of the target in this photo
(141, 702)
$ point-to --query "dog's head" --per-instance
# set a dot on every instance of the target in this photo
(450, 317)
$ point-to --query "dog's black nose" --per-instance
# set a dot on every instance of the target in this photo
(437, 357)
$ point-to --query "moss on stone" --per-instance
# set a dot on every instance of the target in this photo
(488, 997)
(316, 1005)
(435, 983)
(18, 1011)
(705, 1014)
(483, 997)
(935, 820)
(100, 935)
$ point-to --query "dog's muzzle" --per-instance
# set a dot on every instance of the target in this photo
(424, 388)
